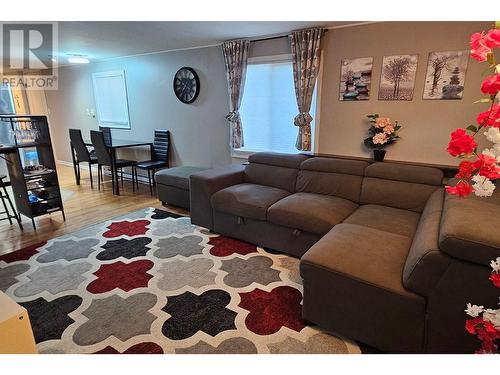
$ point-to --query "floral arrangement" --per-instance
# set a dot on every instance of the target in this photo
(382, 132)
(477, 174)
(485, 323)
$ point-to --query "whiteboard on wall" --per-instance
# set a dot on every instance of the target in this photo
(110, 93)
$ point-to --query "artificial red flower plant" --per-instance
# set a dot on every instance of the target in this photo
(478, 176)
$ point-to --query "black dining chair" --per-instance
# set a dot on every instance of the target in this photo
(83, 155)
(159, 156)
(107, 135)
(104, 160)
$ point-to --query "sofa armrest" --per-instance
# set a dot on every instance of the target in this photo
(204, 184)
(470, 228)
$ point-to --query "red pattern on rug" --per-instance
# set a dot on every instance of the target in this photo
(141, 348)
(269, 311)
(122, 276)
(128, 228)
(22, 254)
(225, 246)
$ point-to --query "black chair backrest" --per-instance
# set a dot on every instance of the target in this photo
(82, 153)
(103, 156)
(107, 135)
(161, 145)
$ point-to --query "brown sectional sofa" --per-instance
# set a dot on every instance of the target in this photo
(386, 258)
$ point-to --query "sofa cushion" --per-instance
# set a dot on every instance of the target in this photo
(270, 175)
(406, 173)
(369, 255)
(176, 176)
(332, 165)
(470, 228)
(399, 185)
(340, 185)
(313, 213)
(397, 194)
(278, 159)
(247, 200)
(353, 286)
(329, 176)
(388, 219)
(426, 264)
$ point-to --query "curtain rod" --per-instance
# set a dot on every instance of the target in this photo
(325, 30)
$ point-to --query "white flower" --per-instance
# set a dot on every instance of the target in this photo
(483, 187)
(495, 264)
(492, 316)
(380, 138)
(474, 310)
(496, 148)
(493, 153)
(493, 134)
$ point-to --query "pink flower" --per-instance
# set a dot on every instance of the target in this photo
(479, 48)
(492, 39)
(487, 166)
(488, 118)
(380, 138)
(491, 85)
(389, 129)
(461, 143)
(462, 189)
(382, 122)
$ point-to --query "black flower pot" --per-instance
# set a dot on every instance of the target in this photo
(378, 155)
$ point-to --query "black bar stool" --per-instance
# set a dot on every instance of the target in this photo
(4, 195)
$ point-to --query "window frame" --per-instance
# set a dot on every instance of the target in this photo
(125, 125)
(244, 154)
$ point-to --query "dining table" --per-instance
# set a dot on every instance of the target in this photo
(112, 147)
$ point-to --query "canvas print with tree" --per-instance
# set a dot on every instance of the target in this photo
(355, 78)
(398, 77)
(445, 75)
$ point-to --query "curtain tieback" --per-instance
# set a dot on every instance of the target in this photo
(302, 119)
(233, 116)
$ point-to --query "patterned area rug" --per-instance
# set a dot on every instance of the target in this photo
(150, 282)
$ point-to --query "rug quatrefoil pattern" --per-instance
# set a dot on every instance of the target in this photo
(151, 282)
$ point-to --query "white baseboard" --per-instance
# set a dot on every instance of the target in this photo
(126, 175)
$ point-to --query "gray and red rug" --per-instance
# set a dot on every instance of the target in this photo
(150, 282)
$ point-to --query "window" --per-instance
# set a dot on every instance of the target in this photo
(110, 93)
(269, 106)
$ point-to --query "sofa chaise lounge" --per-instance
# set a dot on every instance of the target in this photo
(386, 257)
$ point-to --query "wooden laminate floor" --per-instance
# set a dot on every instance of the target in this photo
(83, 207)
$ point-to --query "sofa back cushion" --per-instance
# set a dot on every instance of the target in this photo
(274, 169)
(328, 176)
(470, 228)
(425, 263)
(398, 185)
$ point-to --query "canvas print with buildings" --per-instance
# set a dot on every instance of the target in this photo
(398, 77)
(445, 75)
(355, 78)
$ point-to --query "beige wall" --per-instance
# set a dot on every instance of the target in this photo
(426, 123)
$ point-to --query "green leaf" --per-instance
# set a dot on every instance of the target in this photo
(472, 128)
(491, 59)
(497, 24)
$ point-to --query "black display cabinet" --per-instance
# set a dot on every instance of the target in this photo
(26, 146)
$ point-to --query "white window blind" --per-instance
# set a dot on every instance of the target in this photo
(110, 93)
(269, 106)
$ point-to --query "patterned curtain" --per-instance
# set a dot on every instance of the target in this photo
(306, 59)
(235, 59)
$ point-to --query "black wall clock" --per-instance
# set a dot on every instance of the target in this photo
(186, 85)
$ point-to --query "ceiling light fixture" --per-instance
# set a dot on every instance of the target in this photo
(78, 60)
